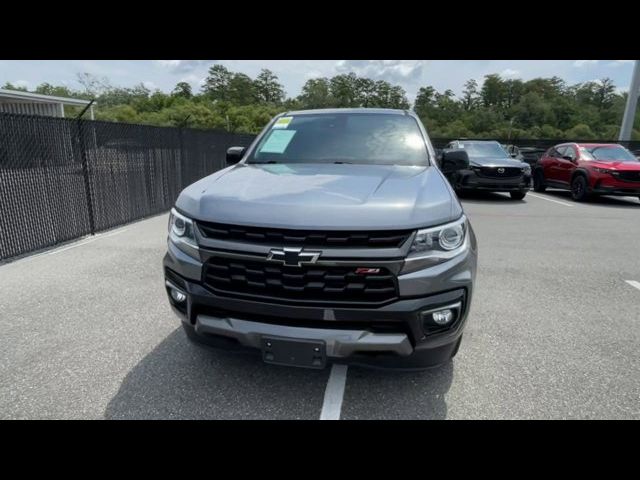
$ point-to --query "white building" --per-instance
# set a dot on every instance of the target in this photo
(15, 101)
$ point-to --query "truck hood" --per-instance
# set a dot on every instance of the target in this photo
(495, 162)
(323, 196)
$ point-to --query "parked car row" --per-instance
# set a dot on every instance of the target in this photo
(585, 169)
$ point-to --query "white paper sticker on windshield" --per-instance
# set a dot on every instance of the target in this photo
(278, 141)
(282, 122)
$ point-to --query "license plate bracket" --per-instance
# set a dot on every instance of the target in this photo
(294, 352)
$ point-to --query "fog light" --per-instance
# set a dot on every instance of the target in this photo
(442, 317)
(178, 296)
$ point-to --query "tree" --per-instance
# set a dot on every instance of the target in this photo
(580, 132)
(493, 91)
(268, 89)
(470, 95)
(384, 95)
(216, 85)
(344, 90)
(316, 93)
(11, 86)
(424, 101)
(93, 85)
(604, 93)
(241, 90)
(182, 89)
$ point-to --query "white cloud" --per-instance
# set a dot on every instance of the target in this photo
(22, 84)
(619, 63)
(585, 63)
(510, 73)
(312, 74)
(390, 70)
(150, 85)
(180, 66)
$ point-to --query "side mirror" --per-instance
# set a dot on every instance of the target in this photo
(567, 157)
(235, 154)
(454, 160)
(514, 155)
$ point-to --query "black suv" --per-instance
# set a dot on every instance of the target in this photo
(491, 168)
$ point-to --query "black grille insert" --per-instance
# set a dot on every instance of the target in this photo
(500, 172)
(309, 238)
(628, 176)
(312, 283)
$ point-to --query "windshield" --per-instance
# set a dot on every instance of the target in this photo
(484, 149)
(365, 138)
(608, 153)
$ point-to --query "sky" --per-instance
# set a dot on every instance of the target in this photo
(410, 74)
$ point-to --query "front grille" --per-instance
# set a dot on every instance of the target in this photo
(308, 238)
(312, 283)
(492, 172)
(630, 176)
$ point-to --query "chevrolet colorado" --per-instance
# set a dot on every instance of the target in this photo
(334, 237)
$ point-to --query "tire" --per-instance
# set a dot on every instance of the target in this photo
(538, 181)
(579, 188)
(517, 195)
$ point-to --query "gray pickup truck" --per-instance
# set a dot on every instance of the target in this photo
(334, 237)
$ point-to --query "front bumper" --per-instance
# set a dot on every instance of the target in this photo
(390, 335)
(470, 180)
(617, 190)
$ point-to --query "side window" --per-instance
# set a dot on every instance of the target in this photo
(557, 151)
(570, 152)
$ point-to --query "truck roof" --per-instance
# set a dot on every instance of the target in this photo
(382, 111)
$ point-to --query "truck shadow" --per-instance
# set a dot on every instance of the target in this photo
(489, 197)
(375, 394)
(179, 380)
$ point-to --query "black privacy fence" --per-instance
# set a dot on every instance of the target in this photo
(61, 179)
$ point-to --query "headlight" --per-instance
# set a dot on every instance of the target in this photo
(437, 244)
(602, 170)
(181, 228)
(526, 169)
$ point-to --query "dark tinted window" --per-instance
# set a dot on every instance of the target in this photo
(343, 137)
(484, 149)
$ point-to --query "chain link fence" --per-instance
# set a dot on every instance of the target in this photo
(61, 179)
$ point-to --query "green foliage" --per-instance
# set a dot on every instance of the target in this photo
(182, 89)
(504, 108)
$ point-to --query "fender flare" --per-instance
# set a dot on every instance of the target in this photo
(581, 171)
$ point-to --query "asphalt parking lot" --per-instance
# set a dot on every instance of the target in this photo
(554, 332)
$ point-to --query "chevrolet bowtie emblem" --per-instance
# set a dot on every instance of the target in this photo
(293, 257)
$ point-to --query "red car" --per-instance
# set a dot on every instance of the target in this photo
(588, 169)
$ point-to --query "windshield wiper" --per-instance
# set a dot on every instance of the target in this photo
(340, 162)
(270, 161)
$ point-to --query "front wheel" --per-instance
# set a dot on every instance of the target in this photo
(579, 190)
(518, 195)
(538, 181)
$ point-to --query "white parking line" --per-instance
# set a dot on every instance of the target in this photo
(551, 200)
(96, 237)
(633, 283)
(334, 393)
